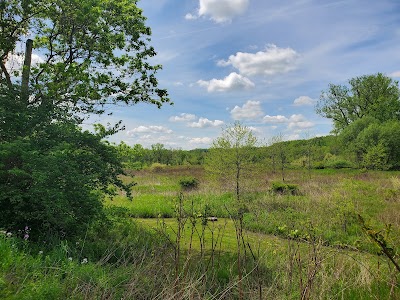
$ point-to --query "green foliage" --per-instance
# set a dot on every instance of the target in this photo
(376, 158)
(52, 175)
(189, 183)
(86, 63)
(373, 143)
(231, 158)
(51, 181)
(285, 188)
(157, 167)
(376, 96)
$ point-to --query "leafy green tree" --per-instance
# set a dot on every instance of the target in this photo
(158, 152)
(230, 159)
(376, 96)
(369, 138)
(93, 53)
(278, 154)
(376, 158)
(54, 179)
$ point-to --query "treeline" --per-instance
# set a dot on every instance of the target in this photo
(365, 145)
(366, 127)
(317, 152)
(138, 157)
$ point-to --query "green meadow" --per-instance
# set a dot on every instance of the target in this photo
(164, 244)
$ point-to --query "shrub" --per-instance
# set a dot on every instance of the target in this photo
(285, 188)
(53, 181)
(339, 164)
(189, 183)
(157, 167)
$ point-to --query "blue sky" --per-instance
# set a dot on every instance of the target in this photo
(262, 62)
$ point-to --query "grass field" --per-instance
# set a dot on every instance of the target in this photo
(161, 244)
(322, 217)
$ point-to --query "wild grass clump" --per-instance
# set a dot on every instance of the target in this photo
(157, 167)
(189, 183)
(285, 188)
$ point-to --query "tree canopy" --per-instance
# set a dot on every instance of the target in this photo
(231, 158)
(376, 96)
(89, 54)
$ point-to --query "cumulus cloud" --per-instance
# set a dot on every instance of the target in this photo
(231, 82)
(203, 140)
(204, 122)
(249, 110)
(148, 129)
(273, 60)
(275, 119)
(303, 100)
(294, 122)
(220, 11)
(190, 16)
(184, 117)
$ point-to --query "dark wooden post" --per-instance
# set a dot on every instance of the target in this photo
(26, 71)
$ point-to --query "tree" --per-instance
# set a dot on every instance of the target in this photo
(53, 180)
(370, 139)
(92, 53)
(279, 153)
(376, 96)
(231, 160)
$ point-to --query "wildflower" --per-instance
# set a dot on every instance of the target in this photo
(70, 258)
(9, 234)
(26, 236)
(40, 252)
(84, 261)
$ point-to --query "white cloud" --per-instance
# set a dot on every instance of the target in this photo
(249, 110)
(219, 11)
(275, 119)
(189, 16)
(204, 122)
(148, 129)
(298, 121)
(203, 140)
(15, 62)
(184, 117)
(232, 82)
(255, 129)
(301, 125)
(395, 74)
(271, 61)
(295, 122)
(303, 100)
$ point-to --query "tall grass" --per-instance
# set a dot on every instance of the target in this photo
(303, 246)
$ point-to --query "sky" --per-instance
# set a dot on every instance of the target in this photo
(261, 62)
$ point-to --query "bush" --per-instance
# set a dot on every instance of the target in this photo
(157, 167)
(189, 183)
(339, 164)
(53, 181)
(285, 188)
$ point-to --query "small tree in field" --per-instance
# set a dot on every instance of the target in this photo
(231, 158)
(231, 161)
